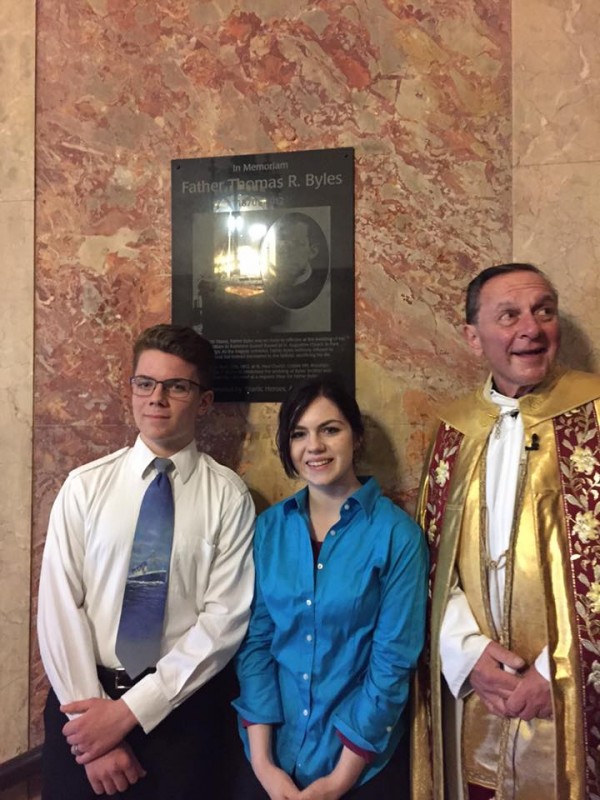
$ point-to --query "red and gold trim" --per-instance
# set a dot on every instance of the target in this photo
(577, 436)
(441, 465)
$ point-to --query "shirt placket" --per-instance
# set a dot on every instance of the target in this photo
(311, 603)
(307, 652)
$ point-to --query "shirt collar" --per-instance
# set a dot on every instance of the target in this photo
(185, 460)
(365, 498)
(298, 501)
(507, 404)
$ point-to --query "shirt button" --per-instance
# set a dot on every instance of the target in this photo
(309, 638)
(333, 533)
(319, 566)
(305, 676)
(389, 729)
(305, 712)
(309, 602)
(346, 506)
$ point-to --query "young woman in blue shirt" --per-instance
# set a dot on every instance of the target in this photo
(337, 621)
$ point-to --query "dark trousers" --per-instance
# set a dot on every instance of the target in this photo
(392, 783)
(187, 756)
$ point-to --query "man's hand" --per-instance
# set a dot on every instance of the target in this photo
(115, 771)
(531, 698)
(102, 725)
(491, 681)
(276, 783)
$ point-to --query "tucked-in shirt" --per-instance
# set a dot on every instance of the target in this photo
(332, 648)
(85, 566)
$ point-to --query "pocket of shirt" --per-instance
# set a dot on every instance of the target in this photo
(190, 568)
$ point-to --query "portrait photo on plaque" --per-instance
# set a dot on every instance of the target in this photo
(263, 266)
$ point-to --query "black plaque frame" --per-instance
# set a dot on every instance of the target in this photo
(228, 213)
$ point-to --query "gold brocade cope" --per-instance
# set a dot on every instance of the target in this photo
(442, 457)
(438, 512)
(556, 587)
(494, 750)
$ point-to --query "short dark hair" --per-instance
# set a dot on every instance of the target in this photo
(298, 400)
(181, 341)
(314, 232)
(474, 288)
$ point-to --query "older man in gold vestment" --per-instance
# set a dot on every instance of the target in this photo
(508, 696)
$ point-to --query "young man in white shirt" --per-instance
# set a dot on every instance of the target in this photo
(158, 735)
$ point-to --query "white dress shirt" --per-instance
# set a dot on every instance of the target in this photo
(85, 566)
(461, 641)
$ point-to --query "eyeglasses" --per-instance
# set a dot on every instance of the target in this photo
(178, 388)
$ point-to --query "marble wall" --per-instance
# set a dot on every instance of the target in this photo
(17, 100)
(556, 159)
(420, 90)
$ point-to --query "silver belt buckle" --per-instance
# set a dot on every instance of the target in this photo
(119, 684)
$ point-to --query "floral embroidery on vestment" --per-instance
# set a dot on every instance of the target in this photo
(578, 440)
(442, 463)
(443, 458)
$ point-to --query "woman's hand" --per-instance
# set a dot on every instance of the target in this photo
(277, 783)
(326, 788)
(339, 781)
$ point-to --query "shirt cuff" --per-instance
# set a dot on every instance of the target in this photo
(461, 642)
(542, 664)
(472, 652)
(147, 703)
(367, 755)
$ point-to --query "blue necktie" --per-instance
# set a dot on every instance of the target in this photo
(142, 614)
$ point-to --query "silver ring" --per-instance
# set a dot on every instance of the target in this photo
(75, 750)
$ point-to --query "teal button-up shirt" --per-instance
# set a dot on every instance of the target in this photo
(332, 647)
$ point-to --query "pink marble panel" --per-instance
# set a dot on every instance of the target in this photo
(420, 90)
(556, 121)
(556, 61)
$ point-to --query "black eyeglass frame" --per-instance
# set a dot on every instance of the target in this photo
(167, 386)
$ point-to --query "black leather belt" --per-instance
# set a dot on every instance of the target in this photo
(116, 681)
